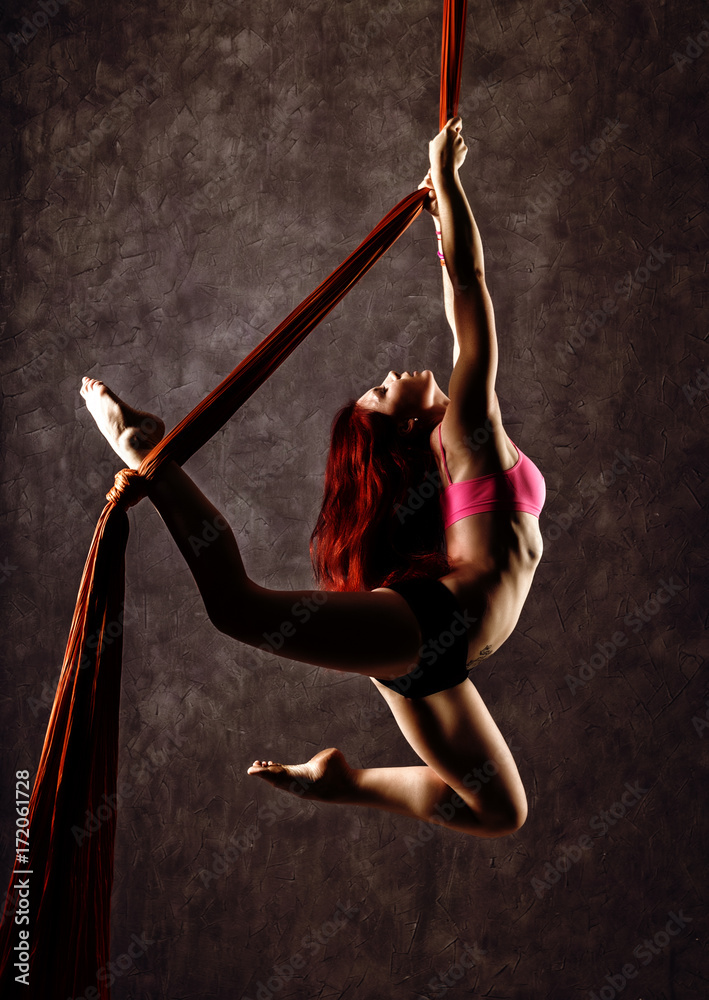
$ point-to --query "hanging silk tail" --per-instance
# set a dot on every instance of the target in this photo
(60, 890)
(62, 906)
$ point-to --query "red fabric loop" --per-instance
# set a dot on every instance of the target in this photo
(128, 489)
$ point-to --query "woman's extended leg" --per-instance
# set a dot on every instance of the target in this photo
(375, 634)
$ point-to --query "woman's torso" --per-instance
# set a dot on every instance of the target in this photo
(493, 554)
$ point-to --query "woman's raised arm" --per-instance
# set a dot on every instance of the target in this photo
(472, 385)
(431, 206)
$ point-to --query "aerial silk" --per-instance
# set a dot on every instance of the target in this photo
(55, 934)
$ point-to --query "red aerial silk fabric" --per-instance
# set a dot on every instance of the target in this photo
(454, 18)
(72, 808)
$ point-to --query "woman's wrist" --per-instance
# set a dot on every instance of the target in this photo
(441, 175)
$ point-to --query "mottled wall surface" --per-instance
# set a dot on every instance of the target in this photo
(179, 177)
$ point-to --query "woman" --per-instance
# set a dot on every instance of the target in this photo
(395, 608)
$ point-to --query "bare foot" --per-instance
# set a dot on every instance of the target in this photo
(327, 776)
(131, 433)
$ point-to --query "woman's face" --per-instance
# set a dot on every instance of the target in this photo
(401, 394)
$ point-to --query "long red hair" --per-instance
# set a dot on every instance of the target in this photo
(380, 520)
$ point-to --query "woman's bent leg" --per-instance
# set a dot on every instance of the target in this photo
(455, 734)
(421, 793)
(416, 792)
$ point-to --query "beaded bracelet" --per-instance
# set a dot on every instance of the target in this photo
(440, 242)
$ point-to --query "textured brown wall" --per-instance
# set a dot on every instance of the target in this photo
(181, 176)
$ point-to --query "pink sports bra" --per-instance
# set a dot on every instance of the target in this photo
(520, 488)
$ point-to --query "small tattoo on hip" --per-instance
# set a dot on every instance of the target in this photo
(482, 655)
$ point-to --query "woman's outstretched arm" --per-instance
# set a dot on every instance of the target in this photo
(472, 386)
(432, 207)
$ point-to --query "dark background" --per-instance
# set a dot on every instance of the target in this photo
(179, 177)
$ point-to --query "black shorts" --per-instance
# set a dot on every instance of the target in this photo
(443, 652)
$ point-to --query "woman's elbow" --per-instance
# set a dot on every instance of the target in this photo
(468, 278)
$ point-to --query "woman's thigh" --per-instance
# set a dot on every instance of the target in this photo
(374, 633)
(454, 733)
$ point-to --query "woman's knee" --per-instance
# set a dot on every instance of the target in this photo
(506, 817)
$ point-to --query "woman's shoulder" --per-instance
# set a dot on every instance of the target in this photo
(476, 447)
